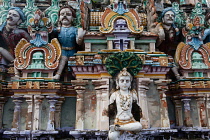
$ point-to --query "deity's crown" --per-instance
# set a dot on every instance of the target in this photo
(124, 72)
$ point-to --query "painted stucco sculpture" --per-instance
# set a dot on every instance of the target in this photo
(194, 34)
(126, 101)
(39, 28)
(118, 12)
(52, 11)
(68, 36)
(174, 99)
(11, 34)
(29, 11)
(4, 10)
(152, 23)
(118, 61)
(170, 31)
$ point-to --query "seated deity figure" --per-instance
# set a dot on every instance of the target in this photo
(124, 102)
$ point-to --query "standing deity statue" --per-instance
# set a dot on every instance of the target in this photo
(169, 35)
(125, 102)
(10, 34)
(68, 36)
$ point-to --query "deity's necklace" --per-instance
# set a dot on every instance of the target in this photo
(125, 101)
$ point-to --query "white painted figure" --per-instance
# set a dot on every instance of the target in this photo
(124, 98)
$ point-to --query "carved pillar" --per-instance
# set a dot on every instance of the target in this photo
(102, 94)
(152, 47)
(37, 103)
(208, 109)
(98, 107)
(80, 89)
(162, 88)
(29, 100)
(110, 44)
(51, 122)
(16, 117)
(179, 115)
(87, 46)
(58, 112)
(104, 107)
(2, 102)
(132, 44)
(202, 112)
(142, 87)
(187, 116)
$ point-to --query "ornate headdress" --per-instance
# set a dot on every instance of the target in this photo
(124, 72)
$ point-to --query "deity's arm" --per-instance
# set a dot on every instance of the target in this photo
(135, 97)
(112, 98)
(136, 109)
(112, 109)
(25, 35)
(206, 33)
(80, 36)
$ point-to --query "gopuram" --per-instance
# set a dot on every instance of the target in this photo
(104, 70)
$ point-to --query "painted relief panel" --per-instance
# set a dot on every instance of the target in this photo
(68, 113)
(23, 115)
(8, 113)
(194, 112)
(144, 47)
(154, 105)
(171, 112)
(90, 107)
(98, 47)
(44, 114)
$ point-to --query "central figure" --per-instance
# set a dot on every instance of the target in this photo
(127, 107)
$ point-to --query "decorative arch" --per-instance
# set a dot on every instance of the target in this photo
(109, 17)
(24, 51)
(184, 52)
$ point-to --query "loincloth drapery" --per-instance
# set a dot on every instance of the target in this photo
(123, 122)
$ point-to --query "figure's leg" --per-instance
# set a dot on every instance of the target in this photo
(62, 64)
(175, 71)
(6, 54)
(136, 126)
(113, 134)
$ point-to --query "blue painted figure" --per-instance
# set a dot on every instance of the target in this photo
(206, 36)
(68, 36)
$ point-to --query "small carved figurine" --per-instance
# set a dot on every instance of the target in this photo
(68, 36)
(10, 33)
(125, 102)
